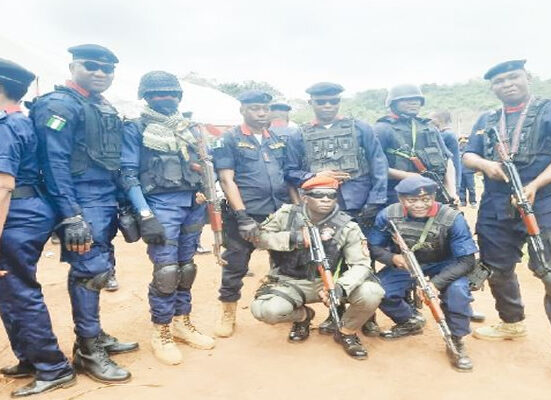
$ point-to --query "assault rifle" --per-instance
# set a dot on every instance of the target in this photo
(206, 168)
(524, 207)
(429, 296)
(319, 258)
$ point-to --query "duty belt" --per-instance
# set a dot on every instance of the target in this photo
(21, 192)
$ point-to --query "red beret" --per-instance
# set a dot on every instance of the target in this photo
(320, 182)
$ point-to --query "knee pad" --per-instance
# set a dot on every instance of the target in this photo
(95, 283)
(188, 272)
(166, 278)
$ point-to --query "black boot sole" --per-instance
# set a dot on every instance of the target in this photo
(64, 385)
(113, 352)
(402, 336)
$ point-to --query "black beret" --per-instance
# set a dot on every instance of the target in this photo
(254, 96)
(93, 52)
(13, 73)
(416, 185)
(506, 66)
(280, 107)
(324, 89)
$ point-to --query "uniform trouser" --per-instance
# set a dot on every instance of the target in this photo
(272, 308)
(25, 316)
(467, 185)
(93, 264)
(501, 243)
(455, 298)
(237, 255)
(183, 227)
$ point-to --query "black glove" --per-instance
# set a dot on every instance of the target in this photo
(367, 215)
(151, 230)
(340, 294)
(248, 227)
(77, 235)
(298, 240)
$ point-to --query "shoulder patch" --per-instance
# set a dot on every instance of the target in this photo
(56, 123)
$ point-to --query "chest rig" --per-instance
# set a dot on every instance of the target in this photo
(336, 148)
(427, 239)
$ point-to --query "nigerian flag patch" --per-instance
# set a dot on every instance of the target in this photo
(56, 122)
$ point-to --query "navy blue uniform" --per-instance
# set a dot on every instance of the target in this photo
(454, 290)
(258, 169)
(467, 185)
(354, 193)
(450, 140)
(28, 226)
(92, 192)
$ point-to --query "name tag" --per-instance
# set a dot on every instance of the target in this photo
(246, 145)
(275, 146)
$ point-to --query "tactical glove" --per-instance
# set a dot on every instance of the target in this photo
(247, 227)
(299, 239)
(151, 230)
(367, 215)
(77, 235)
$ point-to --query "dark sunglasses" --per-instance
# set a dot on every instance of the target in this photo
(94, 66)
(321, 102)
(320, 195)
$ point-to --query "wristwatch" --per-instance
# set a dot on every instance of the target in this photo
(146, 214)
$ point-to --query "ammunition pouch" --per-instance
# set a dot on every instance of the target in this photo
(95, 283)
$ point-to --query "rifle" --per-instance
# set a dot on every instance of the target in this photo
(206, 168)
(524, 207)
(429, 296)
(317, 252)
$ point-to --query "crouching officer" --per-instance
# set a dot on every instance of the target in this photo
(158, 155)
(297, 283)
(443, 245)
(26, 221)
(80, 136)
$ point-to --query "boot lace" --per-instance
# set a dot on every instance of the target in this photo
(188, 324)
(166, 334)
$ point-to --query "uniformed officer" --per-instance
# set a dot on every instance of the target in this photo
(26, 222)
(443, 245)
(402, 132)
(279, 120)
(80, 138)
(297, 282)
(249, 161)
(524, 122)
(467, 186)
(158, 155)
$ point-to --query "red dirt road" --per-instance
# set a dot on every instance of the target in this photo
(258, 363)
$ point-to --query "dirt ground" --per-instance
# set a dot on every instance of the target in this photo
(258, 363)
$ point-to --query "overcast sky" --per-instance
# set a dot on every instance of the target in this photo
(291, 44)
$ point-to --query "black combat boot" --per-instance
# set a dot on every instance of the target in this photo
(21, 370)
(38, 386)
(112, 345)
(371, 328)
(477, 316)
(413, 326)
(112, 284)
(328, 327)
(301, 330)
(91, 358)
(351, 345)
(463, 363)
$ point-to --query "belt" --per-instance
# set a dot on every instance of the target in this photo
(21, 192)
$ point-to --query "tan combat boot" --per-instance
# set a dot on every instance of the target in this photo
(185, 331)
(226, 323)
(163, 345)
(501, 331)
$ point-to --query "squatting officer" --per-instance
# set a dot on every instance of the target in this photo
(80, 137)
(158, 155)
(443, 245)
(26, 222)
(249, 161)
(524, 123)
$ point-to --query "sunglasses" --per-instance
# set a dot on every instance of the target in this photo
(321, 102)
(94, 66)
(315, 194)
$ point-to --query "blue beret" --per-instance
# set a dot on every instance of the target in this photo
(12, 73)
(416, 185)
(504, 67)
(93, 52)
(324, 89)
(280, 107)
(254, 96)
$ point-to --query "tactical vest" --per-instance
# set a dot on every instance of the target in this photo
(531, 136)
(102, 135)
(427, 146)
(297, 263)
(435, 247)
(336, 148)
(163, 172)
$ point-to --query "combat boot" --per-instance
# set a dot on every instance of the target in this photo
(351, 345)
(184, 330)
(300, 331)
(91, 358)
(112, 284)
(413, 326)
(371, 328)
(226, 323)
(163, 345)
(21, 370)
(463, 363)
(329, 327)
(501, 331)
